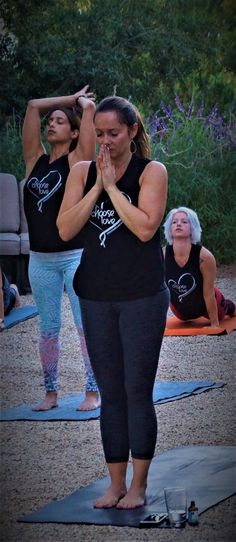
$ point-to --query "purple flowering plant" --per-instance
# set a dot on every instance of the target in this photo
(174, 126)
(199, 151)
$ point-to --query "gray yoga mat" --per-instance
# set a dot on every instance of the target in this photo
(163, 392)
(207, 473)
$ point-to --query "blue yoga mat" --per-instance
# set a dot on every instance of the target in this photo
(163, 392)
(207, 473)
(19, 315)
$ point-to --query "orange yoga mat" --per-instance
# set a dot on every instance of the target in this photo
(200, 326)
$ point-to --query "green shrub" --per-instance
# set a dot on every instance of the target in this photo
(199, 152)
(11, 153)
(11, 157)
(200, 155)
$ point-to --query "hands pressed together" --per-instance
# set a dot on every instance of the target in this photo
(106, 174)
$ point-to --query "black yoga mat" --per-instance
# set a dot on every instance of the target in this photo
(207, 473)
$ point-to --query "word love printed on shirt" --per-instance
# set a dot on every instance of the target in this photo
(184, 286)
(45, 188)
(105, 218)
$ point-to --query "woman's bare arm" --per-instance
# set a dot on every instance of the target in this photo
(145, 219)
(86, 146)
(31, 134)
(75, 209)
(208, 270)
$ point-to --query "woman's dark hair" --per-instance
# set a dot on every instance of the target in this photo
(127, 114)
(74, 119)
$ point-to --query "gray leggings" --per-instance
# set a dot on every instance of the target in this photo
(124, 341)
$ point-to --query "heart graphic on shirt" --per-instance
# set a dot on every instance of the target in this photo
(105, 218)
(185, 285)
(45, 188)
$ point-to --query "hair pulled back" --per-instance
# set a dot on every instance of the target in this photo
(127, 114)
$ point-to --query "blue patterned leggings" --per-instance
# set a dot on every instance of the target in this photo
(48, 274)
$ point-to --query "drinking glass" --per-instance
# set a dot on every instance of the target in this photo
(176, 504)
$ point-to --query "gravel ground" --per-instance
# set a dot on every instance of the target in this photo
(43, 461)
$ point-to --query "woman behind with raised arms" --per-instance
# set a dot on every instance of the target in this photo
(191, 270)
(52, 262)
(119, 201)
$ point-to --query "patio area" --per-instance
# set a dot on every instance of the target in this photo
(44, 461)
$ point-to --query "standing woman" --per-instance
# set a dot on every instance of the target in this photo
(53, 262)
(191, 270)
(121, 199)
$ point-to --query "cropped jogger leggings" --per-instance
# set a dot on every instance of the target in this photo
(124, 341)
(48, 274)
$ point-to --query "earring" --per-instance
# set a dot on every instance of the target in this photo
(133, 146)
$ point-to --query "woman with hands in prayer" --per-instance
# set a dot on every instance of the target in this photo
(119, 201)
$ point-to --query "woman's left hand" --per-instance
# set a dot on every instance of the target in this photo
(107, 169)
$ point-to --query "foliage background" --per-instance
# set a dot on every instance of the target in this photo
(149, 52)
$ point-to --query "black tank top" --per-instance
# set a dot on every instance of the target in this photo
(43, 194)
(185, 283)
(116, 265)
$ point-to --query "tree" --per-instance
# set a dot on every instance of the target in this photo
(144, 51)
(39, 45)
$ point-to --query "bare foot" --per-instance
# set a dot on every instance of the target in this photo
(132, 499)
(110, 498)
(91, 401)
(49, 402)
(17, 301)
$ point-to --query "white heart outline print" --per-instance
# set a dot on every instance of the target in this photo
(172, 281)
(50, 193)
(108, 231)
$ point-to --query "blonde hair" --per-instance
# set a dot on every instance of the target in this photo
(193, 219)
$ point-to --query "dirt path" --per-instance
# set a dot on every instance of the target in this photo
(44, 461)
